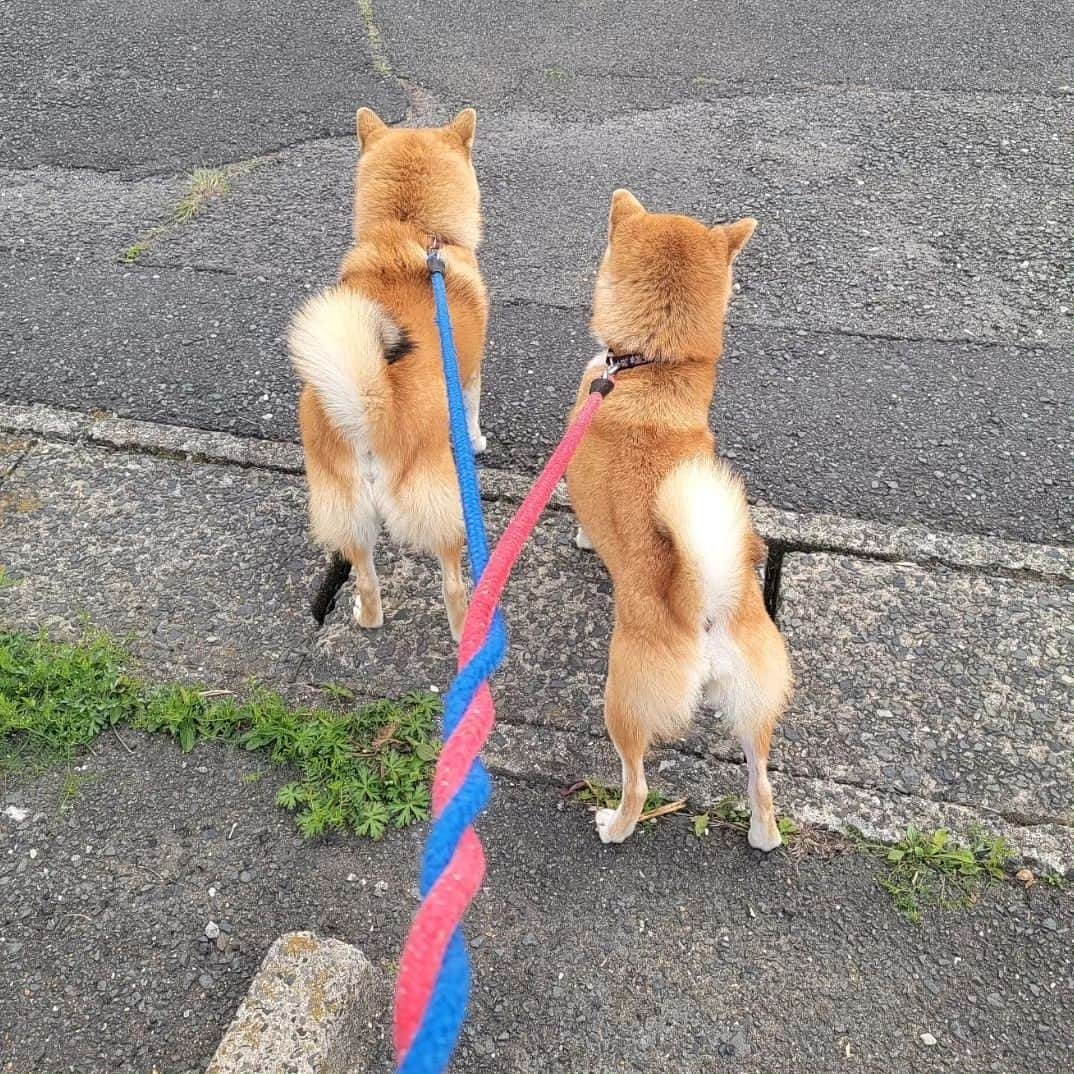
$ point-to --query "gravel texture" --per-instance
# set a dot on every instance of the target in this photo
(660, 955)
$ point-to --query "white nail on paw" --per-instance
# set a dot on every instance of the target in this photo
(582, 541)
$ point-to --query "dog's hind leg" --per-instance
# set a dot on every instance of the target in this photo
(368, 612)
(454, 588)
(751, 684)
(630, 736)
(471, 393)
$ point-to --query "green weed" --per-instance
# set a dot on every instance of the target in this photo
(357, 771)
(6, 581)
(203, 185)
(731, 812)
(600, 795)
(71, 791)
(376, 42)
(930, 869)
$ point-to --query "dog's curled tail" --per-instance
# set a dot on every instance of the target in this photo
(338, 342)
(702, 504)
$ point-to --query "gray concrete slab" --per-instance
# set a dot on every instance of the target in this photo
(610, 55)
(58, 215)
(897, 352)
(658, 955)
(946, 685)
(207, 569)
(928, 697)
(184, 346)
(141, 88)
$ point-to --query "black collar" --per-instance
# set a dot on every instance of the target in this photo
(619, 363)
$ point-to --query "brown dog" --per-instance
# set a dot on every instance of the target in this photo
(668, 519)
(373, 409)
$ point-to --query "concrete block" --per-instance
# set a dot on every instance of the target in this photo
(307, 1011)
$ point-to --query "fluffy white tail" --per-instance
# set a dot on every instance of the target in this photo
(703, 505)
(337, 342)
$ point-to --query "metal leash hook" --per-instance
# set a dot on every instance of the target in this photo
(433, 986)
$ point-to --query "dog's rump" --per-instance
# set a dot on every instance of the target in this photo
(702, 505)
(339, 343)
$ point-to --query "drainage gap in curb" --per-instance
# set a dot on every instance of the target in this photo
(324, 600)
(773, 568)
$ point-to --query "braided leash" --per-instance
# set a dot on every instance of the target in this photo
(433, 986)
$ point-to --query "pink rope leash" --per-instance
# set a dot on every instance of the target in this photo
(422, 969)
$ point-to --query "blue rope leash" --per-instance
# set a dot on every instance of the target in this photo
(435, 1042)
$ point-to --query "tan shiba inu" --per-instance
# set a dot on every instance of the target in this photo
(669, 520)
(373, 409)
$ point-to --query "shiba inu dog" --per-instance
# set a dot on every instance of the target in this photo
(373, 409)
(669, 520)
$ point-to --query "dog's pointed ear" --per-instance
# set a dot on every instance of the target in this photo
(736, 235)
(624, 206)
(369, 126)
(463, 126)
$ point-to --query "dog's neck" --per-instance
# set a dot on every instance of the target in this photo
(395, 230)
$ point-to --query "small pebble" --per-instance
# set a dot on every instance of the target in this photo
(212, 930)
(928, 1040)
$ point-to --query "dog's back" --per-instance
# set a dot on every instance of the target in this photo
(373, 411)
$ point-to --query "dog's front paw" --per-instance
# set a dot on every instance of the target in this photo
(607, 828)
(479, 442)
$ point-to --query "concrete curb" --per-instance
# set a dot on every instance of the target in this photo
(566, 756)
(307, 1011)
(784, 530)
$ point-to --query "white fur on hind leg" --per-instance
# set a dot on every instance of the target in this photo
(764, 836)
(368, 622)
(606, 822)
(472, 398)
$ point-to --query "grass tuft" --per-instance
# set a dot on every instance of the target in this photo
(731, 812)
(357, 771)
(203, 185)
(931, 870)
(373, 36)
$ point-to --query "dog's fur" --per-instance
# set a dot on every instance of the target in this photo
(373, 409)
(668, 519)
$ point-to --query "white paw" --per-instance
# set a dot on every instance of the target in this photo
(582, 541)
(479, 442)
(371, 620)
(605, 820)
(764, 836)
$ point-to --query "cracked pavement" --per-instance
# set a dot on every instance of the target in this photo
(899, 347)
(898, 354)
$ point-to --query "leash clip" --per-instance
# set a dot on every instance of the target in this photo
(433, 258)
(604, 384)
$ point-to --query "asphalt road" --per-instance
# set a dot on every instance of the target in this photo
(672, 953)
(900, 347)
